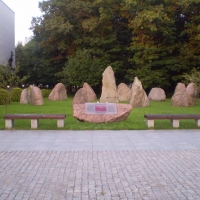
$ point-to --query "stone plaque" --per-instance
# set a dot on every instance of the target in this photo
(100, 108)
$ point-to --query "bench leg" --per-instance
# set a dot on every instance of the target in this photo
(197, 121)
(60, 123)
(150, 123)
(9, 123)
(34, 123)
(175, 123)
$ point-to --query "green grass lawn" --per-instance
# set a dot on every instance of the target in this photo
(135, 120)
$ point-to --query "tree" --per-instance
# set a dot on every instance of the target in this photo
(84, 67)
(10, 78)
(190, 51)
(193, 77)
(155, 40)
(35, 64)
(69, 26)
(152, 43)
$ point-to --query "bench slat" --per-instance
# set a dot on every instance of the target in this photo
(34, 116)
(172, 116)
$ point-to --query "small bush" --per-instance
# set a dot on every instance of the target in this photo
(4, 97)
(45, 92)
(15, 94)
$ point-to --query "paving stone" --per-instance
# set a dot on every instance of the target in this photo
(151, 173)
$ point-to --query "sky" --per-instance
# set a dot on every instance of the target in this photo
(24, 11)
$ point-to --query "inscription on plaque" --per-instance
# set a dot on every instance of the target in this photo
(100, 108)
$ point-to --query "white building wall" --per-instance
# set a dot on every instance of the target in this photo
(7, 34)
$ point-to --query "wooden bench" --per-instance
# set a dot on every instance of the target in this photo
(174, 118)
(9, 119)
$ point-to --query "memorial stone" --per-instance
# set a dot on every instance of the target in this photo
(90, 92)
(109, 88)
(80, 97)
(124, 92)
(58, 93)
(138, 95)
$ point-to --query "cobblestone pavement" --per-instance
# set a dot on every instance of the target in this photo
(149, 171)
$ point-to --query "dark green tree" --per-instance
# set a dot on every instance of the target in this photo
(84, 67)
(190, 50)
(152, 43)
(155, 40)
(10, 78)
(35, 64)
(69, 26)
(193, 77)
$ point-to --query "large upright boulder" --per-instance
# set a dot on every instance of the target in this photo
(29, 92)
(36, 97)
(138, 95)
(24, 97)
(157, 94)
(124, 92)
(109, 88)
(58, 93)
(90, 92)
(192, 91)
(180, 97)
(81, 97)
(32, 95)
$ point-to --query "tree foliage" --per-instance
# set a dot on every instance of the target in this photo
(89, 68)
(75, 40)
(10, 78)
(193, 77)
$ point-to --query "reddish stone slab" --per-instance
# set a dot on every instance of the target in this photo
(123, 111)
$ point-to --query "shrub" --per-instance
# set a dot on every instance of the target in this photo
(4, 97)
(15, 94)
(45, 92)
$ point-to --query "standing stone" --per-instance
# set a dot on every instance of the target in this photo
(58, 93)
(29, 92)
(24, 97)
(138, 95)
(109, 89)
(90, 92)
(192, 91)
(36, 97)
(157, 94)
(124, 92)
(80, 97)
(180, 97)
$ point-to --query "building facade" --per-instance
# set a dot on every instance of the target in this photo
(7, 35)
